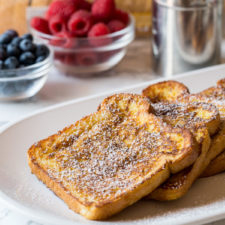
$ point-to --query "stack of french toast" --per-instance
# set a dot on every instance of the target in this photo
(154, 146)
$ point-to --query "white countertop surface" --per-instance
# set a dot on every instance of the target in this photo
(132, 70)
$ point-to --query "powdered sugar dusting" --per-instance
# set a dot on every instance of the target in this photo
(185, 115)
(214, 96)
(112, 156)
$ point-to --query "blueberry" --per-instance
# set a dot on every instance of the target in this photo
(27, 37)
(11, 63)
(12, 33)
(5, 38)
(40, 59)
(3, 46)
(13, 50)
(16, 41)
(27, 58)
(33, 48)
(1, 64)
(41, 50)
(26, 45)
(3, 54)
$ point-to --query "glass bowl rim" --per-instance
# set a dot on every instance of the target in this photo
(37, 68)
(129, 27)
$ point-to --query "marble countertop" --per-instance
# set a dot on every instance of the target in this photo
(133, 69)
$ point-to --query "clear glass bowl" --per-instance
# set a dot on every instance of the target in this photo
(85, 56)
(22, 83)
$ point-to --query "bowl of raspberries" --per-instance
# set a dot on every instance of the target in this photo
(24, 65)
(86, 38)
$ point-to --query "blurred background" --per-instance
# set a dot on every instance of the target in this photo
(141, 10)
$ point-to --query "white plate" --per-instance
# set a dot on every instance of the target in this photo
(20, 190)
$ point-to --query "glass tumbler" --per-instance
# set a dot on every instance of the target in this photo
(186, 35)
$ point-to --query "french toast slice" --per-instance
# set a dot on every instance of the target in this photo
(112, 158)
(194, 116)
(213, 95)
(182, 116)
(216, 97)
(217, 165)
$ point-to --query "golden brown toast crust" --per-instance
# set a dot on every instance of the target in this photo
(217, 147)
(216, 166)
(216, 97)
(97, 212)
(166, 90)
(221, 83)
(111, 158)
(193, 116)
(213, 95)
(178, 184)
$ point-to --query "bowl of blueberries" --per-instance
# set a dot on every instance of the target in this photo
(24, 66)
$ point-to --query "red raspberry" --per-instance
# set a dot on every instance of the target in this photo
(40, 24)
(64, 8)
(81, 4)
(65, 39)
(99, 29)
(80, 23)
(57, 24)
(70, 59)
(86, 59)
(115, 25)
(85, 5)
(122, 16)
(58, 55)
(103, 10)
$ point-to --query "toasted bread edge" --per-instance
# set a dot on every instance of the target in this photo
(168, 193)
(95, 212)
(173, 87)
(216, 166)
